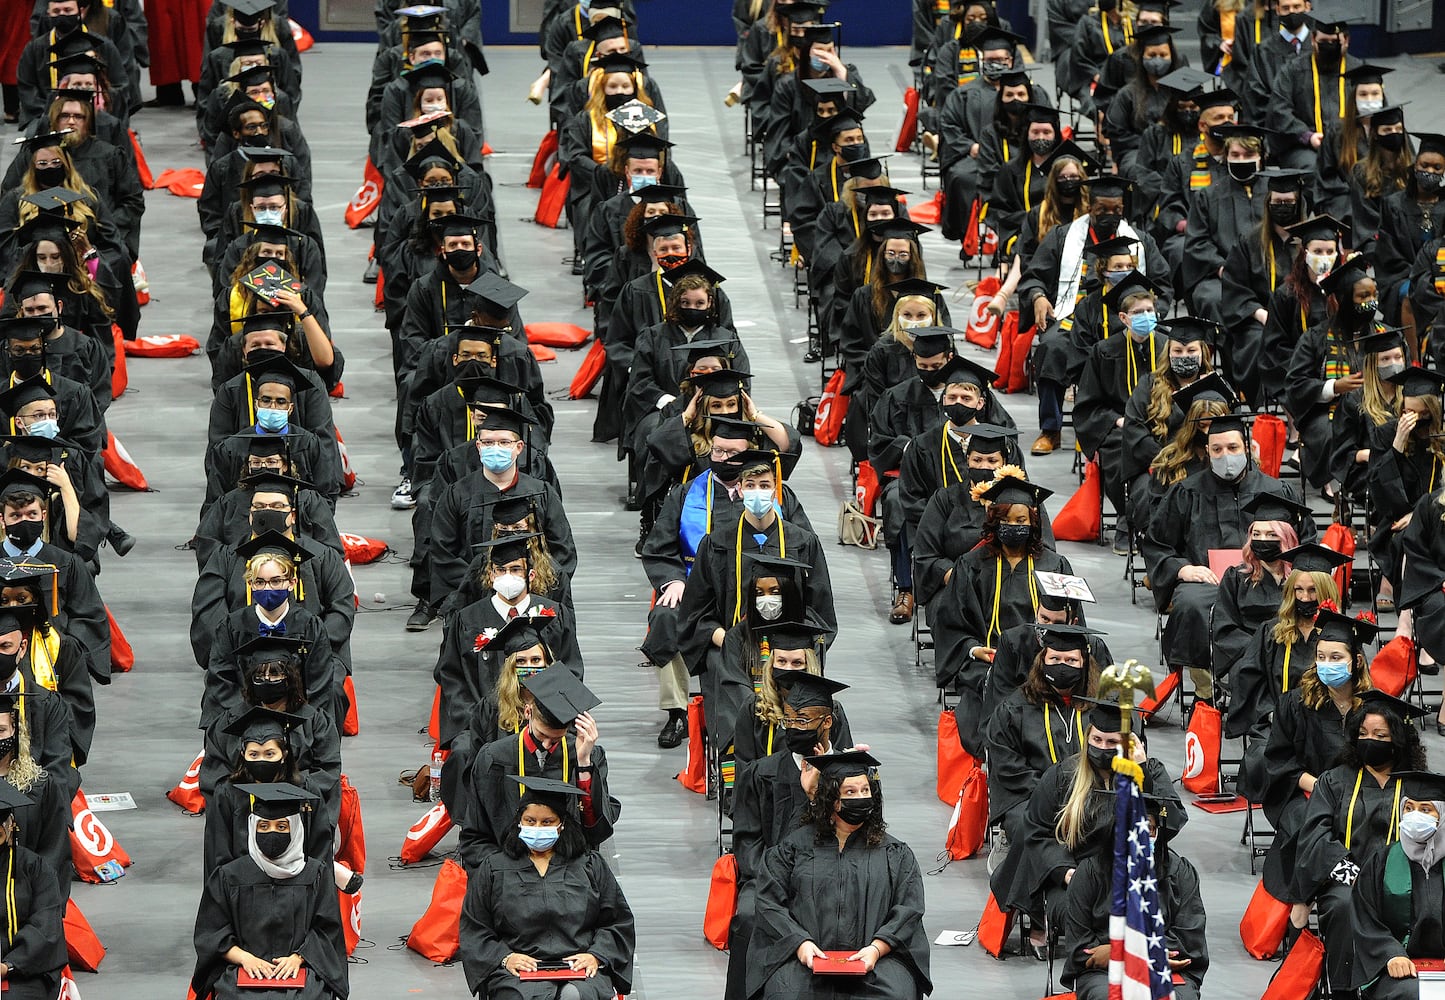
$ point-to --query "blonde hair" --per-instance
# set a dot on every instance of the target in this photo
(1161, 391)
(1432, 410)
(1373, 401)
(512, 697)
(1286, 626)
(24, 772)
(769, 702)
(1071, 827)
(254, 564)
(1315, 695)
(597, 98)
(1171, 465)
(899, 334)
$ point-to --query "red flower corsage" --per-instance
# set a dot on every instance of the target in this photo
(483, 639)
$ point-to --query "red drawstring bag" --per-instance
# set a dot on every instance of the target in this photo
(122, 656)
(1269, 436)
(970, 230)
(348, 474)
(434, 724)
(361, 550)
(1263, 925)
(968, 826)
(543, 161)
(590, 371)
(163, 345)
(908, 131)
(184, 183)
(304, 41)
(1082, 518)
(1393, 668)
(722, 901)
(121, 467)
(142, 285)
(566, 335)
(929, 211)
(147, 179)
(187, 793)
(867, 489)
(542, 353)
(1013, 356)
(351, 725)
(982, 326)
(437, 935)
(367, 198)
(693, 776)
(832, 409)
(554, 198)
(954, 762)
(81, 945)
(119, 374)
(350, 918)
(69, 990)
(426, 833)
(93, 848)
(1299, 973)
(1201, 750)
(993, 927)
(351, 852)
(1340, 538)
(1162, 691)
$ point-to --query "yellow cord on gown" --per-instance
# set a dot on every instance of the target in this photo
(945, 458)
(993, 626)
(1393, 833)
(522, 761)
(738, 568)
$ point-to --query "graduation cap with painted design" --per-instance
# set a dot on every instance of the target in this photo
(278, 799)
(560, 694)
(634, 116)
(1335, 627)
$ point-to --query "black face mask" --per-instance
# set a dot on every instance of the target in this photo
(1374, 753)
(9, 745)
(267, 691)
(259, 354)
(1187, 121)
(9, 662)
(461, 260)
(273, 845)
(615, 101)
(852, 154)
(855, 812)
(932, 379)
(27, 367)
(255, 141)
(1068, 187)
(23, 534)
(1265, 549)
(1062, 676)
(959, 414)
(266, 770)
(1306, 609)
(64, 24)
(1328, 51)
(1107, 224)
(1013, 108)
(1100, 757)
(1013, 536)
(688, 316)
(1283, 213)
(727, 470)
(1243, 171)
(1292, 22)
(471, 368)
(980, 475)
(1042, 147)
(896, 267)
(1425, 181)
(801, 741)
(263, 521)
(49, 177)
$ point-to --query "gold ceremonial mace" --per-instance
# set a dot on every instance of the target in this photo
(1126, 678)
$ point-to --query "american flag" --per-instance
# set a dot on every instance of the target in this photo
(1138, 958)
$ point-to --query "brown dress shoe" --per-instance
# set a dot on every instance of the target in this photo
(1045, 443)
(902, 612)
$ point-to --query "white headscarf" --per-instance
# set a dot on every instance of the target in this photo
(291, 861)
(1426, 852)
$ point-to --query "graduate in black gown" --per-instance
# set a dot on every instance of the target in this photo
(1398, 912)
(1407, 462)
(841, 883)
(34, 936)
(546, 900)
(1353, 815)
(1020, 646)
(51, 659)
(272, 912)
(1357, 428)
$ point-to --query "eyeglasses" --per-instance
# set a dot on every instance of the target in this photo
(797, 722)
(271, 583)
(723, 454)
(279, 505)
(273, 401)
(897, 255)
(50, 414)
(496, 442)
(25, 352)
(260, 466)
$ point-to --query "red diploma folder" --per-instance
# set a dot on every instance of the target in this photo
(1221, 559)
(245, 980)
(554, 970)
(835, 963)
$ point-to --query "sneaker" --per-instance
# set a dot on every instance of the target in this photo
(673, 731)
(421, 617)
(998, 851)
(373, 271)
(643, 530)
(401, 498)
(1121, 541)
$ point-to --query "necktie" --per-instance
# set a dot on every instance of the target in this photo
(511, 613)
(279, 629)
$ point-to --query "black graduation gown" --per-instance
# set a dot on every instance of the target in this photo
(242, 906)
(576, 907)
(73, 685)
(1267, 60)
(1288, 321)
(1249, 280)
(467, 675)
(1240, 609)
(1351, 431)
(232, 411)
(227, 523)
(1423, 545)
(1017, 648)
(948, 527)
(314, 461)
(1320, 345)
(315, 747)
(37, 953)
(1114, 369)
(322, 671)
(1396, 921)
(1220, 217)
(768, 803)
(1089, 902)
(1060, 354)
(936, 460)
(45, 825)
(227, 832)
(1025, 740)
(82, 614)
(656, 371)
(839, 900)
(1306, 100)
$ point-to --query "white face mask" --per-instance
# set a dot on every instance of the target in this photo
(432, 107)
(1320, 264)
(913, 324)
(509, 586)
(1368, 107)
(770, 606)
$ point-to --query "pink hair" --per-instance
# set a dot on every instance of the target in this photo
(1287, 540)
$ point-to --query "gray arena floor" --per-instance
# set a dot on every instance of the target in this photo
(665, 844)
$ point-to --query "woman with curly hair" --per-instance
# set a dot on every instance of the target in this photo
(52, 659)
(44, 819)
(840, 887)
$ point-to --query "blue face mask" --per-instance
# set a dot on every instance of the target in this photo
(817, 64)
(267, 420)
(1111, 278)
(539, 838)
(639, 182)
(1333, 674)
(45, 429)
(269, 216)
(758, 502)
(1142, 324)
(497, 457)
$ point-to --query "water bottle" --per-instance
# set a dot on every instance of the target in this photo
(434, 791)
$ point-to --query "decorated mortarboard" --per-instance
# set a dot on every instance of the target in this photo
(278, 799)
(644, 146)
(1113, 246)
(1341, 281)
(497, 291)
(1417, 381)
(1428, 142)
(634, 116)
(966, 371)
(805, 690)
(271, 649)
(1311, 557)
(844, 764)
(420, 10)
(1013, 489)
(1063, 637)
(560, 693)
(252, 76)
(1375, 699)
(271, 541)
(1332, 626)
(1317, 227)
(1185, 80)
(795, 635)
(44, 140)
(1421, 786)
(1276, 507)
(429, 122)
(1070, 150)
(507, 548)
(1192, 329)
(1131, 283)
(1211, 387)
(655, 193)
(25, 391)
(661, 226)
(693, 267)
(989, 439)
(259, 724)
(1065, 587)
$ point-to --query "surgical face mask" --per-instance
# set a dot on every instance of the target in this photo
(1156, 66)
(770, 606)
(497, 458)
(615, 101)
(23, 534)
(1042, 147)
(959, 414)
(1266, 550)
(509, 586)
(1229, 467)
(432, 107)
(1013, 536)
(1418, 826)
(994, 68)
(1185, 366)
(1319, 263)
(817, 65)
(1368, 107)
(640, 181)
(1332, 674)
(271, 598)
(758, 502)
(273, 845)
(272, 420)
(1243, 170)
(855, 812)
(1283, 212)
(269, 216)
(539, 838)
(44, 428)
(1142, 324)
(1427, 182)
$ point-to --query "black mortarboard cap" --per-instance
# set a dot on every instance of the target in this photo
(1276, 507)
(1188, 329)
(1422, 786)
(1214, 98)
(19, 481)
(1366, 73)
(668, 225)
(259, 724)
(497, 291)
(1129, 284)
(1185, 80)
(1103, 713)
(25, 391)
(278, 799)
(252, 76)
(1011, 489)
(546, 786)
(1108, 186)
(271, 541)
(1375, 699)
(266, 185)
(931, 341)
(1385, 339)
(870, 167)
(507, 548)
(1041, 113)
(25, 327)
(968, 371)
(12, 798)
(456, 224)
(503, 418)
(1311, 557)
(644, 145)
(428, 73)
(881, 194)
(1113, 245)
(1063, 636)
(1417, 381)
(707, 347)
(812, 690)
(694, 266)
(1329, 26)
(1428, 142)
(270, 648)
(1341, 281)
(795, 635)
(1154, 34)
(560, 693)
(829, 86)
(250, 8)
(278, 321)
(722, 383)
(604, 28)
(264, 153)
(1283, 180)
(1069, 149)
(845, 764)
(44, 140)
(733, 428)
(267, 480)
(1317, 227)
(916, 286)
(999, 37)
(897, 229)
(988, 439)
(1335, 627)
(772, 564)
(519, 633)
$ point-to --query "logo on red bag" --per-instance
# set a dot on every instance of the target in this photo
(1193, 755)
(433, 818)
(92, 834)
(366, 196)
